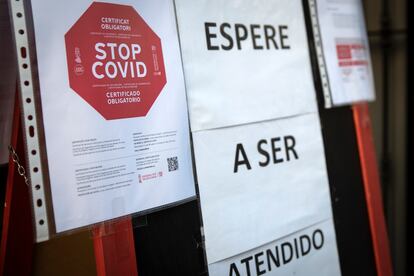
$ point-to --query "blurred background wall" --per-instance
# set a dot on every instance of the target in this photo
(387, 30)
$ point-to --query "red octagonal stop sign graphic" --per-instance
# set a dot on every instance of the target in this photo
(115, 61)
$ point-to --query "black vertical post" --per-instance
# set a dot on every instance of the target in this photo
(409, 124)
(385, 158)
(387, 187)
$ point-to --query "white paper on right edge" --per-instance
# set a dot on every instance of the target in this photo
(247, 209)
(311, 251)
(346, 50)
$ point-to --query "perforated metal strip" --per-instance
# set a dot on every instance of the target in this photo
(34, 164)
(319, 52)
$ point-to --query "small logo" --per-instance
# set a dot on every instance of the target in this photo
(79, 70)
(77, 55)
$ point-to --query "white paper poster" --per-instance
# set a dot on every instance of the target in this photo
(257, 139)
(114, 108)
(260, 182)
(310, 251)
(346, 50)
(244, 61)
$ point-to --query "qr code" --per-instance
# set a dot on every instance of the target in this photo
(172, 163)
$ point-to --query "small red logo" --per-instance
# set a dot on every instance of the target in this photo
(79, 70)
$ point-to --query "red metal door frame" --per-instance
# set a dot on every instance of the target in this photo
(372, 188)
(114, 248)
(17, 238)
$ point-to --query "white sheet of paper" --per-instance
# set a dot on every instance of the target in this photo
(310, 251)
(346, 49)
(102, 169)
(253, 207)
(238, 86)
